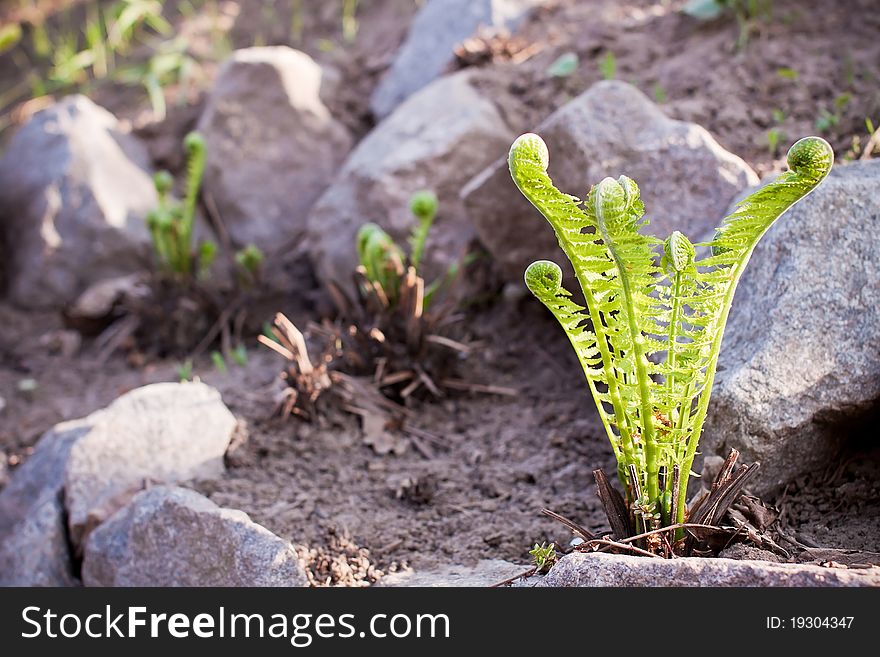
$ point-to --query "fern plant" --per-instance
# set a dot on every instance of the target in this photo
(650, 332)
(171, 224)
(384, 264)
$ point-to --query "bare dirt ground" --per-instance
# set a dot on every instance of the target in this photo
(498, 459)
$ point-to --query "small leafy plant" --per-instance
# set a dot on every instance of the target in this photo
(649, 334)
(543, 556)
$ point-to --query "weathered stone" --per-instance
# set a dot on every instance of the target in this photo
(617, 570)
(272, 145)
(33, 535)
(438, 139)
(485, 572)
(429, 47)
(168, 536)
(799, 362)
(74, 191)
(165, 432)
(686, 179)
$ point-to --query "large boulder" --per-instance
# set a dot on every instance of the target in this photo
(164, 432)
(74, 192)
(438, 139)
(168, 536)
(430, 44)
(272, 145)
(619, 570)
(33, 534)
(686, 179)
(800, 363)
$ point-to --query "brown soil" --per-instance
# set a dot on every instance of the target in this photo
(498, 460)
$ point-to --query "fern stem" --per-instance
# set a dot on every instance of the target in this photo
(606, 200)
(607, 362)
(672, 333)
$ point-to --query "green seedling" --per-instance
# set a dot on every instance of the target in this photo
(608, 66)
(775, 135)
(543, 556)
(564, 66)
(649, 334)
(10, 35)
(219, 362)
(239, 355)
(828, 120)
(250, 261)
(660, 95)
(171, 224)
(184, 371)
(349, 20)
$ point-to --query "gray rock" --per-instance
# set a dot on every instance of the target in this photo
(165, 432)
(272, 145)
(33, 535)
(429, 47)
(485, 572)
(74, 191)
(799, 359)
(686, 179)
(438, 139)
(36, 552)
(169, 536)
(616, 570)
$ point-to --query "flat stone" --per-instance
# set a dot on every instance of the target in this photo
(616, 570)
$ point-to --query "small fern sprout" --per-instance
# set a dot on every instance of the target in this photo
(678, 254)
(164, 183)
(423, 205)
(250, 258)
(171, 224)
(196, 153)
(649, 334)
(382, 260)
(207, 256)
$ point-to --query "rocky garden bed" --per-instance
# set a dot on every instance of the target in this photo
(129, 460)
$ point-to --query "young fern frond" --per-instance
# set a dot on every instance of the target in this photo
(593, 266)
(382, 260)
(642, 314)
(194, 144)
(423, 206)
